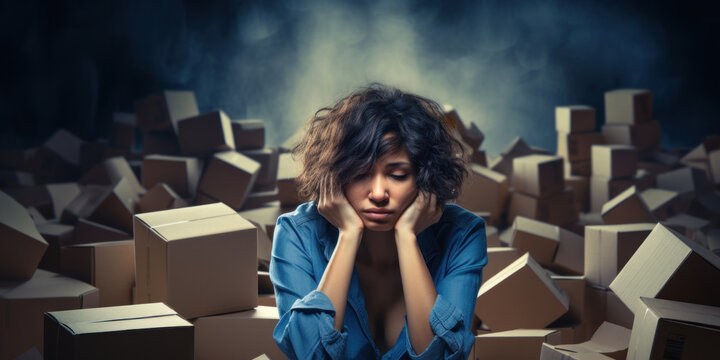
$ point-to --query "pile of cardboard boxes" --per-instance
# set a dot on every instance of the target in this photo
(157, 242)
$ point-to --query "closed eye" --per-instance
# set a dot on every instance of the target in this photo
(399, 177)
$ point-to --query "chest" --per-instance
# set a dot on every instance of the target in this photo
(384, 304)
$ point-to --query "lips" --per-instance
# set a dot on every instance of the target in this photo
(377, 214)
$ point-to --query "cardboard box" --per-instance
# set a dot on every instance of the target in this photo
(268, 159)
(267, 300)
(266, 216)
(714, 162)
(491, 234)
(288, 170)
(54, 235)
(160, 142)
(609, 247)
(557, 210)
(674, 330)
(694, 228)
(502, 301)
(58, 160)
(581, 317)
(707, 206)
(688, 182)
(160, 197)
(569, 257)
(240, 335)
(469, 132)
(229, 178)
(498, 259)
(603, 189)
(662, 203)
(257, 199)
(162, 111)
(111, 171)
(35, 196)
(513, 344)
(205, 134)
(87, 232)
(576, 147)
(572, 119)
(264, 246)
(617, 312)
(181, 173)
(581, 191)
(24, 302)
(628, 106)
(248, 134)
(644, 136)
(22, 247)
(610, 341)
(178, 250)
(504, 163)
(112, 206)
(700, 153)
(152, 331)
(16, 178)
(538, 175)
(614, 161)
(109, 266)
(627, 208)
(484, 190)
(124, 130)
(61, 194)
(666, 266)
(539, 239)
(265, 286)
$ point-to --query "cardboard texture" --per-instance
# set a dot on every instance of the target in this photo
(61, 194)
(688, 182)
(617, 312)
(579, 168)
(581, 318)
(229, 178)
(145, 331)
(248, 134)
(498, 259)
(288, 170)
(504, 163)
(87, 231)
(259, 198)
(123, 131)
(661, 203)
(484, 190)
(665, 266)
(558, 209)
(160, 197)
(513, 344)
(609, 247)
(614, 161)
(268, 159)
(240, 335)
(267, 300)
(700, 152)
(266, 216)
(177, 250)
(502, 305)
(577, 147)
(264, 245)
(469, 132)
(58, 160)
(112, 206)
(581, 191)
(692, 227)
(603, 189)
(569, 257)
(54, 235)
(181, 173)
(160, 142)
(539, 239)
(162, 111)
(24, 302)
(626, 208)
(574, 119)
(22, 247)
(674, 330)
(205, 134)
(609, 340)
(110, 172)
(35, 196)
(628, 106)
(491, 234)
(538, 175)
(644, 136)
(109, 266)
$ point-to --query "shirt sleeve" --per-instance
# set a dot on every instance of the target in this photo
(451, 315)
(306, 327)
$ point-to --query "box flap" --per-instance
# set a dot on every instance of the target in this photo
(119, 318)
(15, 216)
(202, 227)
(164, 217)
(684, 312)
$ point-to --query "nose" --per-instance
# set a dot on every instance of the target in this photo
(379, 191)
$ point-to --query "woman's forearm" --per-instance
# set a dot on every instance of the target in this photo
(338, 273)
(419, 291)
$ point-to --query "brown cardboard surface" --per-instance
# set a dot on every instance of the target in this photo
(22, 247)
(576, 147)
(692, 227)
(117, 207)
(644, 136)
(666, 266)
(581, 191)
(83, 205)
(248, 134)
(119, 332)
(268, 159)
(491, 233)
(662, 203)
(498, 259)
(205, 133)
(267, 300)
(610, 340)
(110, 172)
(87, 231)
(714, 162)
(229, 178)
(617, 312)
(503, 163)
(513, 344)
(502, 301)
(266, 216)
(574, 119)
(574, 287)
(579, 168)
(162, 111)
(55, 235)
(160, 197)
(484, 190)
(123, 130)
(181, 173)
(557, 210)
(23, 304)
(603, 189)
(109, 266)
(61, 195)
(569, 258)
(609, 247)
(186, 247)
(240, 335)
(628, 106)
(670, 328)
(614, 161)
(551, 352)
(538, 175)
(685, 180)
(160, 142)
(539, 239)
(288, 169)
(626, 208)
(258, 199)
(58, 160)
(469, 132)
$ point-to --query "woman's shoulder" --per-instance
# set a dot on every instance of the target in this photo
(304, 218)
(460, 218)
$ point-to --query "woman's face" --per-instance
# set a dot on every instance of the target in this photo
(381, 194)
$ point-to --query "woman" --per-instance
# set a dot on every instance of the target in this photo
(377, 265)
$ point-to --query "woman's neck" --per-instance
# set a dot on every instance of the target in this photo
(378, 249)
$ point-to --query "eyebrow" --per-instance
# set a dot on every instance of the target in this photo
(398, 163)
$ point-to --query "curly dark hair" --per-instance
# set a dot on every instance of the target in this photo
(345, 140)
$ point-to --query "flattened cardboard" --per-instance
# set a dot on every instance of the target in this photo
(248, 134)
(229, 178)
(22, 247)
(502, 301)
(513, 344)
(626, 208)
(162, 111)
(574, 119)
(628, 106)
(671, 329)
(240, 335)
(665, 266)
(484, 190)
(119, 332)
(23, 304)
(538, 175)
(205, 133)
(614, 161)
(609, 247)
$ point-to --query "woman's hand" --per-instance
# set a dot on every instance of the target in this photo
(422, 213)
(334, 206)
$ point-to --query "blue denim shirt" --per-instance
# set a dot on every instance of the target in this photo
(454, 250)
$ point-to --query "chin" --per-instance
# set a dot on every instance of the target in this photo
(376, 226)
